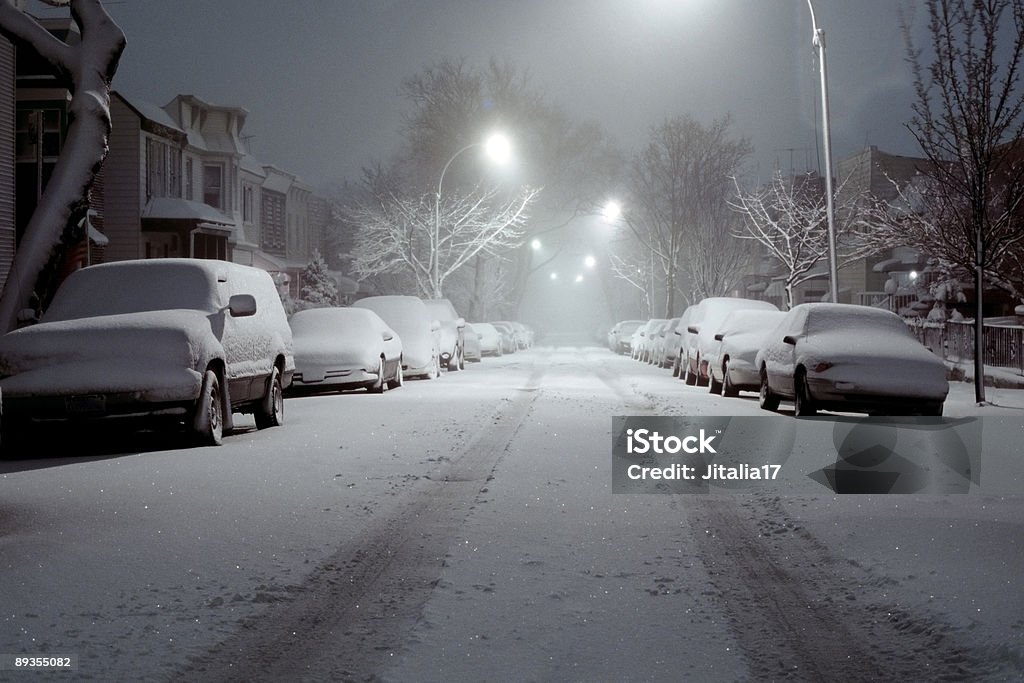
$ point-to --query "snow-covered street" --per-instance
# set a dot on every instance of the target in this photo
(465, 529)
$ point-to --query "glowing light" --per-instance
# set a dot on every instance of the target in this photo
(553, 276)
(612, 210)
(590, 261)
(535, 244)
(499, 148)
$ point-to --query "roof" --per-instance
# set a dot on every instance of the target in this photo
(173, 208)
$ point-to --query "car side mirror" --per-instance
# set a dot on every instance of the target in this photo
(719, 337)
(789, 339)
(242, 305)
(693, 329)
(461, 322)
(435, 325)
(387, 336)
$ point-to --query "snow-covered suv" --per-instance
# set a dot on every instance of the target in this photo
(190, 339)
(452, 332)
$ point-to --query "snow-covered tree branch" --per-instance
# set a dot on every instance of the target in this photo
(431, 238)
(86, 68)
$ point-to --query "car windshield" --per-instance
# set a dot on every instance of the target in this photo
(133, 288)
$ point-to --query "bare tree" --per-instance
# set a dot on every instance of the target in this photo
(429, 238)
(788, 217)
(968, 108)
(86, 68)
(679, 187)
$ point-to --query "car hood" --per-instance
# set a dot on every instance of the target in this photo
(183, 338)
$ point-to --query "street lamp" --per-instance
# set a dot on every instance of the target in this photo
(535, 244)
(611, 211)
(499, 149)
(590, 261)
(818, 40)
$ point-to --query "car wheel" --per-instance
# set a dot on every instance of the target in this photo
(435, 368)
(767, 399)
(714, 386)
(690, 377)
(399, 379)
(380, 386)
(803, 405)
(675, 366)
(455, 363)
(208, 418)
(270, 412)
(728, 390)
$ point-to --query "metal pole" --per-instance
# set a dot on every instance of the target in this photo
(833, 267)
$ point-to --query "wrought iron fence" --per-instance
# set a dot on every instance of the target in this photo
(954, 341)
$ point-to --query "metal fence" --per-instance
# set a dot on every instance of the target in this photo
(954, 341)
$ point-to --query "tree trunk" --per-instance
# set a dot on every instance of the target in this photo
(89, 67)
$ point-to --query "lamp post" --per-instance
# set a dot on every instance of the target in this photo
(499, 149)
(818, 40)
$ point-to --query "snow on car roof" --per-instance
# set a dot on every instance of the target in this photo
(138, 286)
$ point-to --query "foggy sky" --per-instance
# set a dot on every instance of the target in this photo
(321, 78)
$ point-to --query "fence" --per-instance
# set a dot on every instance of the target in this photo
(954, 341)
(890, 302)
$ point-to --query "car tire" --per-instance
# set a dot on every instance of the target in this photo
(728, 390)
(435, 368)
(208, 415)
(270, 412)
(714, 386)
(803, 406)
(399, 379)
(690, 378)
(380, 386)
(767, 399)
(675, 366)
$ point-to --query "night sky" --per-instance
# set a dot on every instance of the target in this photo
(321, 78)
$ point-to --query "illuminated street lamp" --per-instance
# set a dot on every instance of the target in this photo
(553, 276)
(611, 211)
(590, 261)
(579, 278)
(818, 41)
(498, 149)
(535, 244)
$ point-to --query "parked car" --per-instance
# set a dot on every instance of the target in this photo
(453, 338)
(658, 342)
(490, 339)
(700, 334)
(674, 340)
(731, 366)
(471, 345)
(345, 348)
(849, 358)
(419, 332)
(643, 338)
(189, 340)
(620, 336)
(508, 336)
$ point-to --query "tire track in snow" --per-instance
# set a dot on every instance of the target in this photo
(358, 605)
(799, 612)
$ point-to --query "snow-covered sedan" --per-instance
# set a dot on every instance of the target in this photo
(731, 366)
(186, 340)
(408, 316)
(703, 325)
(453, 331)
(490, 339)
(849, 358)
(345, 348)
(471, 345)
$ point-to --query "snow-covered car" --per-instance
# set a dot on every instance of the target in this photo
(621, 333)
(849, 358)
(674, 340)
(452, 332)
(731, 366)
(490, 339)
(643, 338)
(701, 329)
(471, 345)
(345, 348)
(509, 338)
(186, 339)
(419, 332)
(659, 342)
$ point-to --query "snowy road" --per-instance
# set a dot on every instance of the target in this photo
(465, 529)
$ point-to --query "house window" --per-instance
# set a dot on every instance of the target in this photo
(174, 172)
(156, 168)
(272, 218)
(213, 185)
